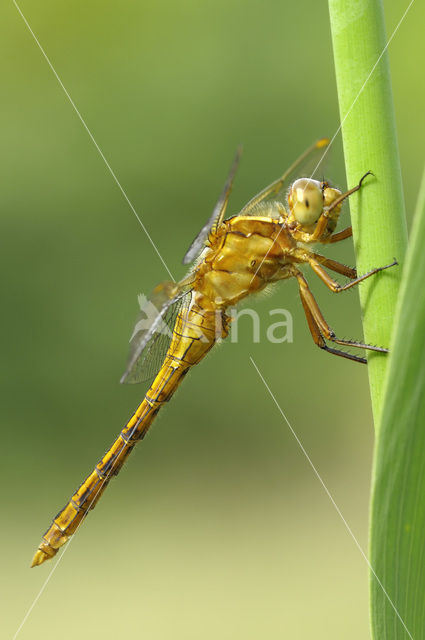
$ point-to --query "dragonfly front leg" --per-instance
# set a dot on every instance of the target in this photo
(320, 329)
(322, 223)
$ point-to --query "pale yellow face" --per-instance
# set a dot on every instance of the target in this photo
(306, 200)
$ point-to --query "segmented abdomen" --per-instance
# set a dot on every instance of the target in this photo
(194, 334)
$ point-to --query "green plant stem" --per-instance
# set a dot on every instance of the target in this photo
(370, 143)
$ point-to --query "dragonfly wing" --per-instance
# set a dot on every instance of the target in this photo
(153, 331)
(216, 218)
(309, 165)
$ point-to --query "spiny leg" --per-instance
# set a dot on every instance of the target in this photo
(345, 195)
(323, 327)
(335, 286)
(338, 267)
(341, 235)
(323, 220)
(320, 341)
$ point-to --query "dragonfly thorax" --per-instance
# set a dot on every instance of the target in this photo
(246, 254)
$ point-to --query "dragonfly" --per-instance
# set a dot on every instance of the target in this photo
(266, 242)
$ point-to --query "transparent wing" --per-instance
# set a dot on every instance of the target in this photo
(308, 165)
(153, 331)
(217, 215)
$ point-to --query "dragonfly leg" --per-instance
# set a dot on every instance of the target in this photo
(335, 286)
(341, 235)
(320, 341)
(345, 195)
(323, 220)
(333, 265)
(320, 329)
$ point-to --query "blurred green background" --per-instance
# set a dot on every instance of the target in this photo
(217, 526)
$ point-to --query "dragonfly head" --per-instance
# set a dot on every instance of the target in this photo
(308, 199)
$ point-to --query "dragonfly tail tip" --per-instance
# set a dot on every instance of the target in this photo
(39, 558)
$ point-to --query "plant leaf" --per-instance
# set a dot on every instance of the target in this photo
(398, 495)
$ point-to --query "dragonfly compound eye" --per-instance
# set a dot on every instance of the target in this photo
(306, 200)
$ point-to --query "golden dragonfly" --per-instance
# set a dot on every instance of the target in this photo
(264, 243)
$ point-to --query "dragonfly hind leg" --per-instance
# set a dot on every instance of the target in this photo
(320, 330)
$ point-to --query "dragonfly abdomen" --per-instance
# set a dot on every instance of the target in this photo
(193, 336)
